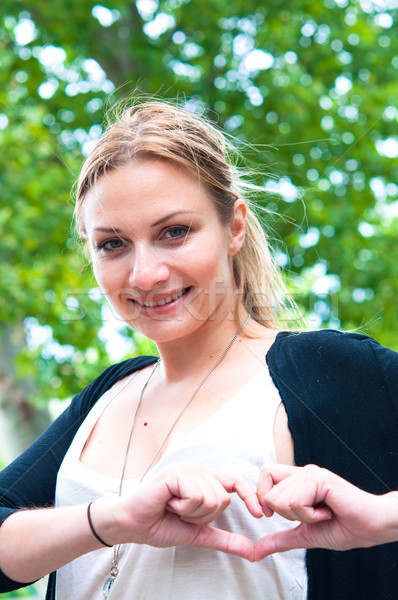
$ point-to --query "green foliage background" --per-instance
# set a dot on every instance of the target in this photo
(311, 86)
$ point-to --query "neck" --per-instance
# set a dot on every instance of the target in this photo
(197, 352)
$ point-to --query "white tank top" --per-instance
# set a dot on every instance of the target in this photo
(238, 437)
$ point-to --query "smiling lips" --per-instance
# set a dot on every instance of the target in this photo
(163, 301)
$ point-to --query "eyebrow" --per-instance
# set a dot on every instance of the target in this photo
(171, 216)
(108, 230)
(159, 222)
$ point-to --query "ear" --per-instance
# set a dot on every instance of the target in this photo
(237, 228)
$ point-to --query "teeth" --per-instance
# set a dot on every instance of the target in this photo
(164, 300)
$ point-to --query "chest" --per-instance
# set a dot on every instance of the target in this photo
(136, 428)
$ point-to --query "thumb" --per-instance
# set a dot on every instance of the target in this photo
(281, 541)
(224, 541)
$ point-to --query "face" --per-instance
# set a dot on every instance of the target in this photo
(159, 251)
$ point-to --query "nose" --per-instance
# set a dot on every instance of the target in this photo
(148, 268)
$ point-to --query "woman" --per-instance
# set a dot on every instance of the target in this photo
(183, 260)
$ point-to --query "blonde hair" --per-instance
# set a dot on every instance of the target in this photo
(163, 130)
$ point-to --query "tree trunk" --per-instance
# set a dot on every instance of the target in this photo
(20, 421)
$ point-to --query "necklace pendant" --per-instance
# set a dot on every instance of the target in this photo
(111, 579)
(108, 586)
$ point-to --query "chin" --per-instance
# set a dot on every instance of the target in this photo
(170, 330)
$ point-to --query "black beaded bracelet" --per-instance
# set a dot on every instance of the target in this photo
(95, 534)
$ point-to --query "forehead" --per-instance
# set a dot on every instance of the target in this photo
(146, 189)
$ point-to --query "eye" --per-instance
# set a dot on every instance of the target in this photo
(176, 232)
(111, 245)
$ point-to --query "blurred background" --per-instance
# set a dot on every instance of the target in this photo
(309, 88)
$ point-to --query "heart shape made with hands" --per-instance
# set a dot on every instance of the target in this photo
(331, 513)
(319, 500)
(193, 520)
(199, 497)
(177, 506)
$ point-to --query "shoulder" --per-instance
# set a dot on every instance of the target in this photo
(328, 352)
(319, 366)
(319, 344)
(333, 362)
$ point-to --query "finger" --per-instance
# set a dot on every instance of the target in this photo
(170, 508)
(270, 475)
(243, 489)
(189, 493)
(224, 541)
(200, 499)
(281, 541)
(296, 504)
(265, 485)
(201, 511)
(298, 493)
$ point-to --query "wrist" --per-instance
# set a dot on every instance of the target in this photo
(93, 529)
(103, 525)
(389, 510)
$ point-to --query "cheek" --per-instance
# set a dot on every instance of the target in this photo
(98, 273)
(108, 278)
(212, 268)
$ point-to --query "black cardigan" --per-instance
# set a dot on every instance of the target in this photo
(340, 392)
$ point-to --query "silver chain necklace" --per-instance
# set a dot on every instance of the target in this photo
(114, 572)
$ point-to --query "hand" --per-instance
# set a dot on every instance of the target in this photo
(334, 514)
(175, 506)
